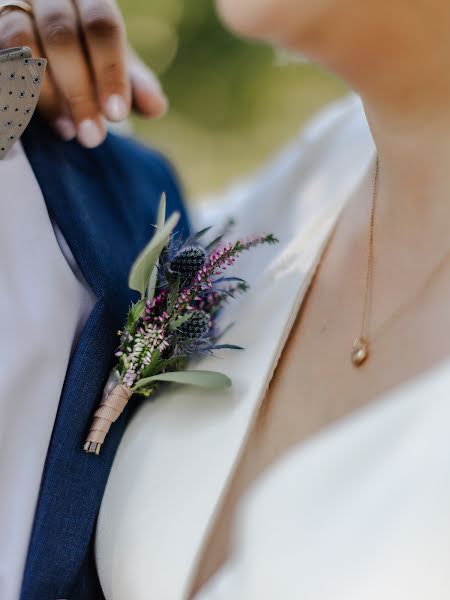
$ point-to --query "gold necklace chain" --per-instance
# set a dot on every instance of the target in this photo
(361, 346)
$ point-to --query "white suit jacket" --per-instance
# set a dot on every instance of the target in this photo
(360, 512)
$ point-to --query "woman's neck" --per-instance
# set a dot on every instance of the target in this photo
(396, 55)
(414, 151)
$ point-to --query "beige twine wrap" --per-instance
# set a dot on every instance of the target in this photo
(110, 409)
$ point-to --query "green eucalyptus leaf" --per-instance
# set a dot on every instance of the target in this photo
(174, 287)
(150, 368)
(207, 379)
(161, 212)
(130, 320)
(152, 283)
(135, 313)
(148, 259)
(151, 289)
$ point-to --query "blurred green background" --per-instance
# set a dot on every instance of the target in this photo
(232, 103)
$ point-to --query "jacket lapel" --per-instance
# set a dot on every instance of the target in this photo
(82, 197)
(179, 453)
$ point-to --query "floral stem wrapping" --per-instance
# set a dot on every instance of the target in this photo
(110, 409)
(183, 290)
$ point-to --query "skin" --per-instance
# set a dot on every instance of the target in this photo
(396, 55)
(92, 73)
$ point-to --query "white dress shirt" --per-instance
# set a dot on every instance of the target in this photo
(44, 303)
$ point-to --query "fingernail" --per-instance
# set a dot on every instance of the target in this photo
(65, 128)
(89, 134)
(150, 82)
(116, 108)
(157, 102)
(163, 106)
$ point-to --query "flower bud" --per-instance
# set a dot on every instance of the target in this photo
(189, 261)
(196, 327)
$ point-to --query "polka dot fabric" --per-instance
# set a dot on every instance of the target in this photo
(20, 85)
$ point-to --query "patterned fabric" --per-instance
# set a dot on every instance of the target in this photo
(104, 201)
(20, 84)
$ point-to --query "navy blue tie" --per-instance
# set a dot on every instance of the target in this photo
(104, 201)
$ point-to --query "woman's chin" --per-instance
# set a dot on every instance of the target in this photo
(251, 18)
(287, 24)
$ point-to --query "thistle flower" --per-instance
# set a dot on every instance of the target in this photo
(196, 327)
(188, 261)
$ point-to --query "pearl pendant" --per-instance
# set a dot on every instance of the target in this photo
(360, 352)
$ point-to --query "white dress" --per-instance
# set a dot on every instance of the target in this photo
(359, 512)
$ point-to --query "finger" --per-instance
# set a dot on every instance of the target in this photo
(148, 98)
(105, 37)
(56, 22)
(17, 29)
(52, 107)
(51, 104)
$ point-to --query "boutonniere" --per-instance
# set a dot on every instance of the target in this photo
(183, 288)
